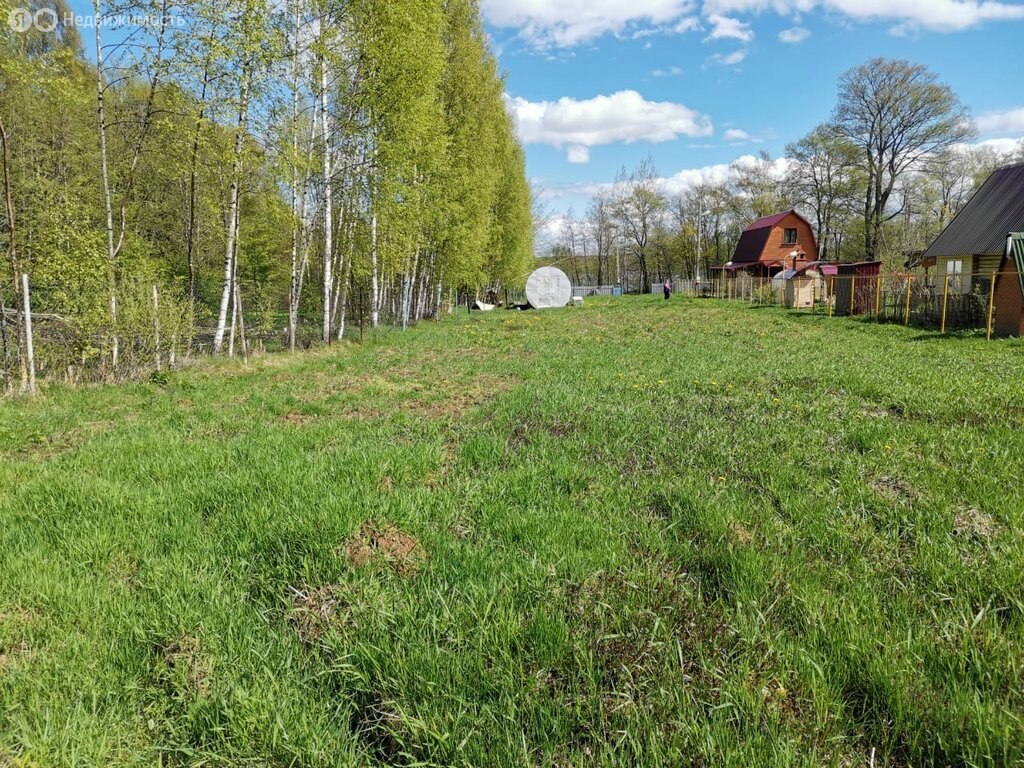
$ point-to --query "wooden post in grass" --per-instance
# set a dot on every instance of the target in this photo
(906, 311)
(156, 325)
(30, 351)
(945, 303)
(853, 295)
(992, 304)
(878, 299)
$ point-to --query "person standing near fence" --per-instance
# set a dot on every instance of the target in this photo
(668, 289)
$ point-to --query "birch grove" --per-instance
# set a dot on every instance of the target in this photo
(292, 169)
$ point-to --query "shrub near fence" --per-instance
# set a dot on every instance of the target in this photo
(915, 300)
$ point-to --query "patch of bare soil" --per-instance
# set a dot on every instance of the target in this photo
(294, 417)
(892, 488)
(970, 522)
(741, 534)
(316, 611)
(184, 658)
(377, 723)
(386, 543)
(449, 398)
(124, 570)
(13, 655)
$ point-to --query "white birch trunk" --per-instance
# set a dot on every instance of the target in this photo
(232, 227)
(374, 284)
(328, 205)
(108, 203)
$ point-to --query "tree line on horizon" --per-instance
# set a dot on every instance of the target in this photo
(294, 167)
(878, 181)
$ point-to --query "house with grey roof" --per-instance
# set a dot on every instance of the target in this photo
(971, 249)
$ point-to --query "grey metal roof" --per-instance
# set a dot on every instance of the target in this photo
(980, 229)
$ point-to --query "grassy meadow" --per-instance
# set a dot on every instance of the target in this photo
(636, 533)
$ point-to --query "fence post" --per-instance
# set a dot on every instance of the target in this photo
(992, 303)
(29, 345)
(945, 302)
(156, 325)
(853, 295)
(906, 312)
(832, 296)
(878, 298)
(241, 326)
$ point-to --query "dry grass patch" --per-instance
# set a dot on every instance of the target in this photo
(315, 612)
(971, 522)
(892, 488)
(186, 662)
(380, 542)
(450, 398)
(14, 655)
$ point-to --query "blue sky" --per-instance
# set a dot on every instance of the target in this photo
(719, 79)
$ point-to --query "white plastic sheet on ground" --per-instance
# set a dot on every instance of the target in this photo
(548, 288)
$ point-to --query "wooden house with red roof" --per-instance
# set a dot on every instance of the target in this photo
(767, 245)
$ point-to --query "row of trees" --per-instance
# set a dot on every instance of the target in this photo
(878, 181)
(290, 165)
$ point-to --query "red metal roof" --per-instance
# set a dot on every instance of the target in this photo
(768, 221)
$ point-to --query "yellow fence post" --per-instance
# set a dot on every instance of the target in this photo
(992, 303)
(906, 312)
(853, 295)
(878, 298)
(832, 295)
(945, 302)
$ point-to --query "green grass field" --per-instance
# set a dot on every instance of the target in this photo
(637, 533)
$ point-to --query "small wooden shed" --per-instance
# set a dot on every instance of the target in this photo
(856, 288)
(798, 288)
(1009, 296)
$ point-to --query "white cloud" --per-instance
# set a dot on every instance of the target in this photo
(730, 59)
(1005, 121)
(625, 116)
(794, 35)
(726, 28)
(1006, 147)
(677, 183)
(689, 24)
(570, 22)
(739, 136)
(716, 174)
(937, 15)
(670, 72)
(579, 155)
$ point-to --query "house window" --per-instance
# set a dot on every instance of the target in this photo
(790, 237)
(955, 271)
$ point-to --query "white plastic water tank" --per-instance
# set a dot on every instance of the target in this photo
(548, 288)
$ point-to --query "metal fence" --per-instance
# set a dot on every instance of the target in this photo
(987, 302)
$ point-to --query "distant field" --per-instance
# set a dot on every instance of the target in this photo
(637, 533)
